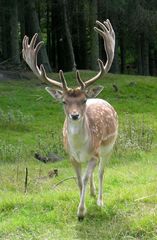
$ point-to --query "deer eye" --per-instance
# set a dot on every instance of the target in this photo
(84, 101)
(64, 102)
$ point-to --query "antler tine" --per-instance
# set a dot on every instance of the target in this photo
(49, 80)
(62, 78)
(30, 53)
(106, 31)
(79, 80)
(99, 75)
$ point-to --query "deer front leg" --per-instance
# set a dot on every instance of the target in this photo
(81, 208)
(77, 167)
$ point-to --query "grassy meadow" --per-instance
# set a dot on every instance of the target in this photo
(31, 122)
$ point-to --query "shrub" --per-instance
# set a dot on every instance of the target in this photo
(15, 120)
(135, 134)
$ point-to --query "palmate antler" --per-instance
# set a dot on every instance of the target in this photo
(108, 35)
(30, 53)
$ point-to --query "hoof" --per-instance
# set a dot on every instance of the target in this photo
(80, 218)
(81, 213)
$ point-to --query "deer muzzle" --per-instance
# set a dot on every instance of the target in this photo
(74, 116)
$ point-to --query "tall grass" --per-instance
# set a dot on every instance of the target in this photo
(11, 152)
(16, 120)
(50, 142)
(135, 134)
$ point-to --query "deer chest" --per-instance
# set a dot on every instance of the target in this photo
(79, 148)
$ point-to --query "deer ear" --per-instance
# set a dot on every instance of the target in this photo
(55, 93)
(94, 91)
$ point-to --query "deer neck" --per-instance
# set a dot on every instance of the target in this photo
(78, 136)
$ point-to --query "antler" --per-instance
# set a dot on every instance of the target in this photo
(30, 53)
(107, 32)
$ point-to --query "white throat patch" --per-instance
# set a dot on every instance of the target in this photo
(78, 139)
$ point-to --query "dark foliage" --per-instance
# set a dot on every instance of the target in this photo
(66, 27)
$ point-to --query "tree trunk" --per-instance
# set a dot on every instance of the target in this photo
(54, 15)
(58, 44)
(152, 66)
(32, 26)
(139, 56)
(101, 13)
(48, 28)
(15, 54)
(101, 6)
(21, 13)
(80, 38)
(72, 62)
(145, 55)
(94, 43)
(122, 53)
(5, 31)
(9, 31)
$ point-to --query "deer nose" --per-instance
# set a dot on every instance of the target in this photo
(74, 116)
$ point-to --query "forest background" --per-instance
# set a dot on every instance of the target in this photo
(66, 27)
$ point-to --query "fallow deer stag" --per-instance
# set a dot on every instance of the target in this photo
(91, 125)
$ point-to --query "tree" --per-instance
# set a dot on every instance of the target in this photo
(94, 43)
(9, 30)
(15, 54)
(142, 23)
(72, 62)
(32, 26)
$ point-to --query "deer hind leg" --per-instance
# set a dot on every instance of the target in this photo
(101, 177)
(81, 208)
(92, 186)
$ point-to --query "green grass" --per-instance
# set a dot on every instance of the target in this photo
(32, 122)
